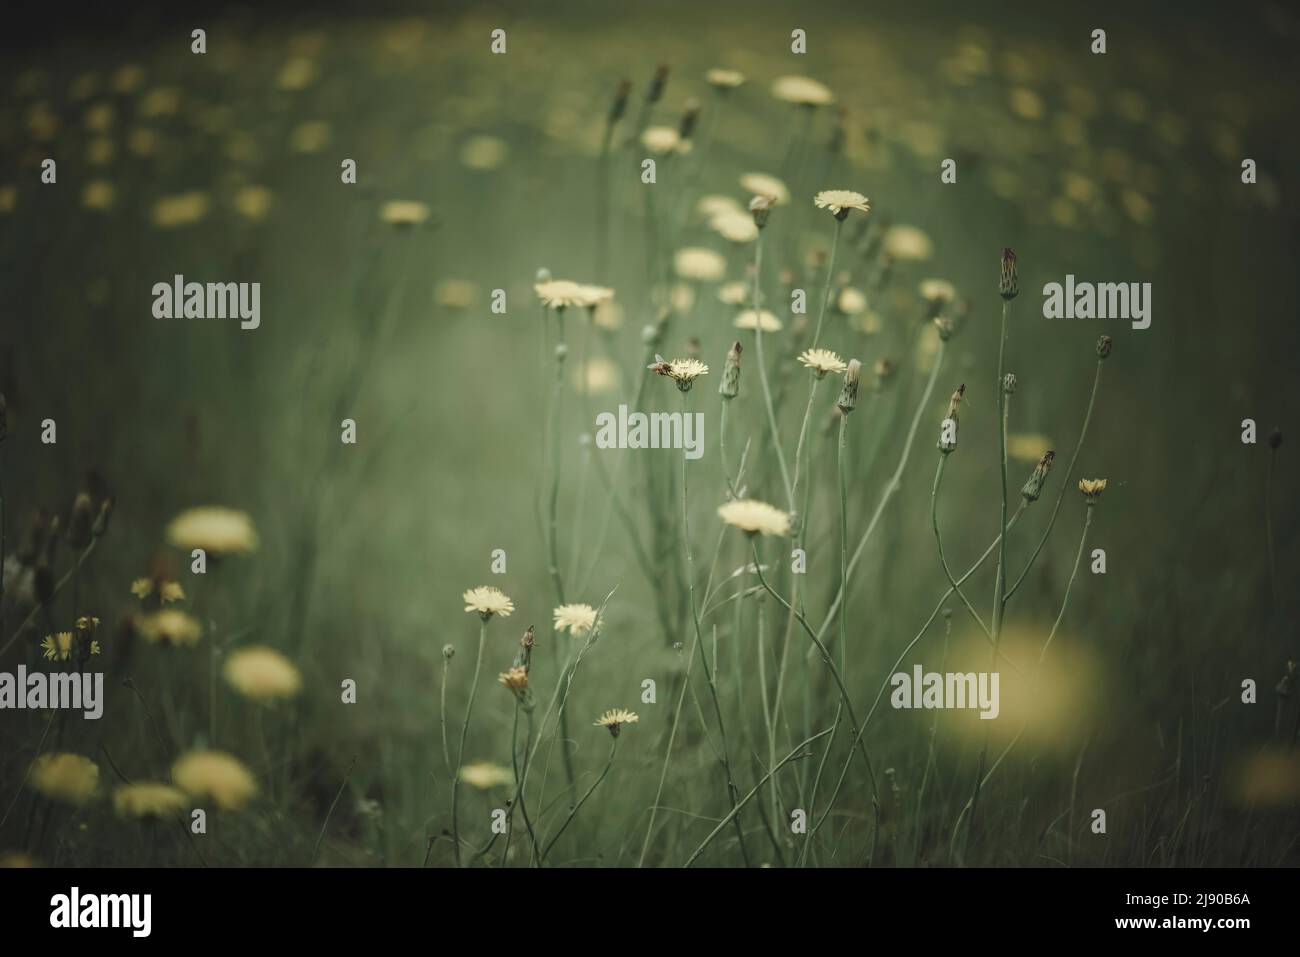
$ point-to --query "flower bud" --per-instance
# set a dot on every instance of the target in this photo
(1008, 280)
(619, 106)
(1009, 383)
(945, 328)
(948, 433)
(730, 386)
(1033, 488)
(83, 516)
(657, 84)
(760, 207)
(689, 118)
(449, 651)
(849, 394)
(1103, 346)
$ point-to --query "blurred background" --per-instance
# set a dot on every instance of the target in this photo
(1123, 167)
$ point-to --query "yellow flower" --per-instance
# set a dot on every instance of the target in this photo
(685, 371)
(908, 242)
(484, 776)
(840, 201)
(751, 319)
(1027, 446)
(167, 591)
(1092, 489)
(716, 205)
(937, 290)
(488, 601)
(721, 79)
(755, 517)
(822, 361)
(262, 674)
(217, 775)
(215, 529)
(516, 679)
(404, 212)
(615, 718)
(181, 210)
(851, 301)
(65, 777)
(761, 184)
(734, 227)
(589, 296)
(559, 293)
(702, 265)
(577, 619)
(253, 202)
(169, 626)
(735, 293)
(58, 647)
(148, 799)
(16, 859)
(802, 90)
(660, 139)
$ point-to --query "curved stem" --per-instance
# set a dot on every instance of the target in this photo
(954, 586)
(762, 372)
(581, 801)
(464, 733)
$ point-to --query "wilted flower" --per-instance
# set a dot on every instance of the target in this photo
(1104, 345)
(516, 679)
(848, 400)
(730, 386)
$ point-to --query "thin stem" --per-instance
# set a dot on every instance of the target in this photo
(762, 372)
(583, 800)
(830, 272)
(464, 733)
(934, 521)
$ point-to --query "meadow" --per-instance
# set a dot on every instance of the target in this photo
(392, 579)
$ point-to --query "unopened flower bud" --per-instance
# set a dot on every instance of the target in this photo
(730, 386)
(760, 207)
(449, 651)
(656, 90)
(1033, 488)
(83, 516)
(1008, 280)
(945, 328)
(619, 106)
(1009, 383)
(849, 394)
(1103, 346)
(948, 428)
(543, 275)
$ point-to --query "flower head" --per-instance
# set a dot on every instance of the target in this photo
(908, 243)
(575, 619)
(684, 372)
(661, 139)
(754, 517)
(215, 529)
(589, 296)
(488, 600)
(702, 265)
(1092, 489)
(215, 774)
(58, 646)
(735, 227)
(65, 777)
(166, 591)
(822, 361)
(404, 212)
(802, 90)
(1008, 278)
(756, 318)
(761, 184)
(723, 80)
(615, 718)
(169, 626)
(516, 679)
(262, 674)
(484, 775)
(559, 293)
(148, 799)
(937, 291)
(841, 201)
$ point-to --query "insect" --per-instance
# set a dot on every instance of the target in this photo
(659, 366)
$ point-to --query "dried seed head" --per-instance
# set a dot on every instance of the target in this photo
(690, 116)
(1103, 346)
(730, 386)
(849, 394)
(1009, 383)
(83, 517)
(656, 90)
(448, 651)
(760, 207)
(1033, 487)
(1008, 280)
(619, 106)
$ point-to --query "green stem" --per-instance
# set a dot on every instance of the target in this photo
(934, 521)
(583, 800)
(830, 273)
(464, 733)
(762, 372)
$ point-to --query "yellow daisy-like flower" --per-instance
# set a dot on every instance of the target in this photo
(685, 371)
(215, 529)
(559, 293)
(615, 718)
(1028, 446)
(761, 184)
(822, 361)
(937, 290)
(735, 227)
(841, 201)
(802, 90)
(404, 212)
(721, 79)
(65, 777)
(215, 774)
(908, 243)
(181, 210)
(589, 297)
(262, 674)
(169, 626)
(754, 318)
(576, 619)
(149, 799)
(1092, 489)
(706, 207)
(702, 265)
(484, 775)
(661, 139)
(58, 647)
(851, 301)
(516, 679)
(167, 591)
(754, 517)
(735, 293)
(488, 601)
